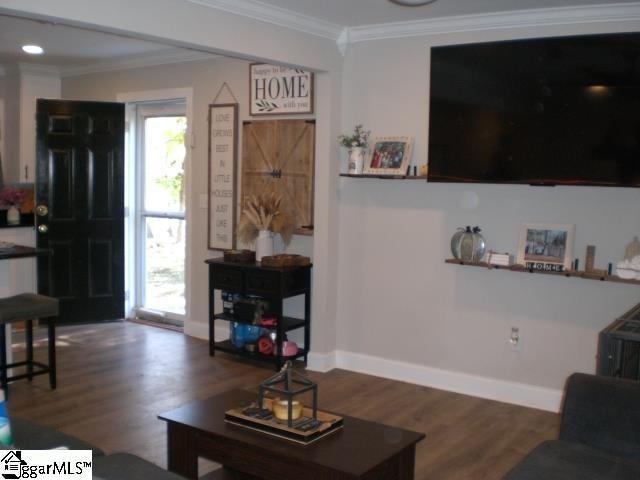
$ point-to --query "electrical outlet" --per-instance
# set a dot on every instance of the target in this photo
(515, 339)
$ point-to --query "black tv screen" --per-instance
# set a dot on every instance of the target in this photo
(538, 111)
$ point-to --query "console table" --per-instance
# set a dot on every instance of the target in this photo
(359, 450)
(274, 285)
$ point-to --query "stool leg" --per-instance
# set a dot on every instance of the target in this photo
(52, 352)
(3, 359)
(29, 346)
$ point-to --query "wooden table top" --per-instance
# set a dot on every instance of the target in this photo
(356, 448)
(20, 251)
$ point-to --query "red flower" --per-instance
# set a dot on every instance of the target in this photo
(12, 196)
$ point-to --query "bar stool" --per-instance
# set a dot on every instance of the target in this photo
(28, 306)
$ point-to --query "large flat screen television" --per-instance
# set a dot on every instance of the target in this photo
(546, 111)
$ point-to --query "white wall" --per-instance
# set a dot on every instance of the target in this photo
(401, 311)
(399, 302)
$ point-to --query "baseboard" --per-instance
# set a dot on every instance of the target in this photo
(201, 330)
(321, 362)
(474, 385)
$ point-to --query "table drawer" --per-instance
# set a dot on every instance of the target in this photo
(226, 278)
(263, 282)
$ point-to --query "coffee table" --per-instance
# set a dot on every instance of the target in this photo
(360, 450)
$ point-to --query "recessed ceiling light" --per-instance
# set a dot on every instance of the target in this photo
(33, 49)
(412, 3)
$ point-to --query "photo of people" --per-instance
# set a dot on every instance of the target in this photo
(390, 155)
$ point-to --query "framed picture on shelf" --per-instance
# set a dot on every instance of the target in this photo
(547, 247)
(389, 156)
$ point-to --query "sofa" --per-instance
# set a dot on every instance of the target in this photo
(119, 466)
(599, 434)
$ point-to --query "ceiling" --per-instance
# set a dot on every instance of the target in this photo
(69, 46)
(353, 13)
(76, 50)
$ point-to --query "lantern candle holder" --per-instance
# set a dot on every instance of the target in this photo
(287, 384)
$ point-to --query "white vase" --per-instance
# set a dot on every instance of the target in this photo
(13, 215)
(264, 244)
(356, 160)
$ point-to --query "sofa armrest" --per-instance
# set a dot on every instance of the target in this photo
(604, 413)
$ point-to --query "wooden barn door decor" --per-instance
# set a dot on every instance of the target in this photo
(278, 156)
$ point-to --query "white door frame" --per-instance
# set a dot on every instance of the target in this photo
(130, 189)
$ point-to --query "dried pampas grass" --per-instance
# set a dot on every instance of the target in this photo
(265, 212)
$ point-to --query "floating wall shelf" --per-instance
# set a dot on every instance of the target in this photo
(385, 177)
(568, 273)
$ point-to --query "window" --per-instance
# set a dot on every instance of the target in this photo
(160, 217)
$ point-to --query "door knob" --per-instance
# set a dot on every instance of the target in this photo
(42, 210)
(43, 228)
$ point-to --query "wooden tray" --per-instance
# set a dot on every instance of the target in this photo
(284, 260)
(239, 256)
(329, 423)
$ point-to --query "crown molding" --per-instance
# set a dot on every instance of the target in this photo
(619, 12)
(278, 16)
(163, 57)
(38, 69)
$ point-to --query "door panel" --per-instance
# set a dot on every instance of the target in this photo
(80, 178)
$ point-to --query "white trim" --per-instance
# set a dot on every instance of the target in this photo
(322, 362)
(163, 57)
(275, 15)
(201, 330)
(477, 386)
(160, 95)
(619, 12)
(38, 69)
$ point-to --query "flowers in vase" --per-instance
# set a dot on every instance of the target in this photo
(359, 138)
(12, 196)
(265, 212)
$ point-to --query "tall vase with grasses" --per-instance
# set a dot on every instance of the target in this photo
(263, 216)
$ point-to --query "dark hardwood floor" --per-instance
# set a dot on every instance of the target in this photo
(113, 380)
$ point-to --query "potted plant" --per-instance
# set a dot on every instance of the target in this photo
(262, 216)
(357, 144)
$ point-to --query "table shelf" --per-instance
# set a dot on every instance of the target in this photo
(227, 347)
(288, 323)
(567, 273)
(271, 284)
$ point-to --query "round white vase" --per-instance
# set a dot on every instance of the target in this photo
(356, 160)
(13, 215)
(264, 244)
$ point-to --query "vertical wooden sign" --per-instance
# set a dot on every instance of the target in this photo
(223, 159)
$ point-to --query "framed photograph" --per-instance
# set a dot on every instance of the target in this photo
(223, 160)
(389, 155)
(546, 246)
(279, 90)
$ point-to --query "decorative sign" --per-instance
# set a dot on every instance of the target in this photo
(276, 90)
(223, 154)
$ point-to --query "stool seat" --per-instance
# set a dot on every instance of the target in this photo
(27, 305)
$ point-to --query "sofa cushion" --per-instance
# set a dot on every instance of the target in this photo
(557, 459)
(30, 436)
(124, 466)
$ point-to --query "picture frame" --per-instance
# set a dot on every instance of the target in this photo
(389, 156)
(546, 246)
(222, 174)
(280, 90)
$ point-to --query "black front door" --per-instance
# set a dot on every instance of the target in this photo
(80, 207)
